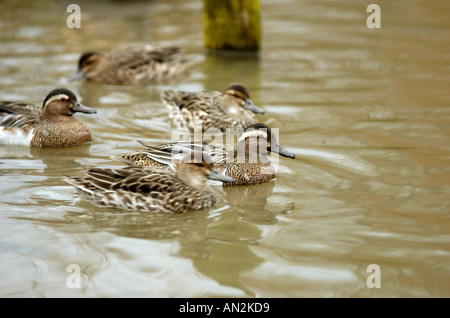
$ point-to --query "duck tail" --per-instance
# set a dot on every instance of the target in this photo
(172, 98)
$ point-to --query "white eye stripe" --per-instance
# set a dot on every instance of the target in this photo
(234, 93)
(58, 97)
(253, 133)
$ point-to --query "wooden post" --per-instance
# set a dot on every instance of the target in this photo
(232, 24)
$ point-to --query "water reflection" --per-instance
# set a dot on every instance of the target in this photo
(208, 238)
(222, 69)
(255, 203)
(54, 160)
(80, 151)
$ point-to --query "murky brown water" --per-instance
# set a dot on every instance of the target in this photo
(366, 111)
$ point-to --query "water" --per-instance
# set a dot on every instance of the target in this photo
(366, 111)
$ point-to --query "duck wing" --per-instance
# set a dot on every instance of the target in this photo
(131, 179)
(216, 151)
(13, 114)
(190, 100)
(135, 57)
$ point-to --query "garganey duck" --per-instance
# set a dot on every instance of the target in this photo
(231, 108)
(50, 125)
(151, 188)
(132, 65)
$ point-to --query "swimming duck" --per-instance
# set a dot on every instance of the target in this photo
(248, 163)
(150, 188)
(50, 125)
(231, 108)
(132, 65)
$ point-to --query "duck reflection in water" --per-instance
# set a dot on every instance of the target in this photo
(257, 203)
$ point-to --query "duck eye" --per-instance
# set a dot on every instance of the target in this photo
(90, 61)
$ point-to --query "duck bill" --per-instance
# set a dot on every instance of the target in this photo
(280, 150)
(78, 107)
(79, 74)
(252, 107)
(217, 175)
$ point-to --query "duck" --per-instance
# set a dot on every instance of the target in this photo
(248, 163)
(152, 189)
(132, 65)
(211, 110)
(49, 125)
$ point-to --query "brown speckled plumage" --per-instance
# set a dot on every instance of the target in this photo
(214, 110)
(248, 173)
(133, 65)
(50, 125)
(150, 188)
(138, 158)
(61, 134)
